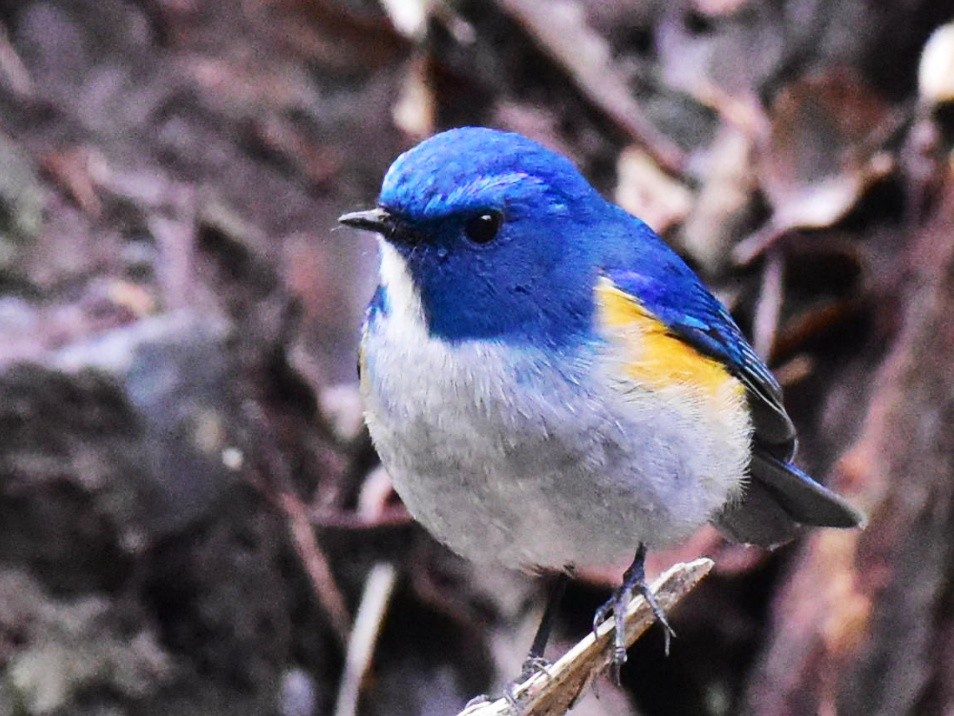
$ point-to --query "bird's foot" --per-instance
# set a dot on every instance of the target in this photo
(634, 580)
(477, 701)
(510, 695)
(532, 666)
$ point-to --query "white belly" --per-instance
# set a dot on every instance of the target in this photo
(509, 460)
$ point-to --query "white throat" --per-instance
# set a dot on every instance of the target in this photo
(404, 300)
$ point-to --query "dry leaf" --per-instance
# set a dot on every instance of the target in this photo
(409, 17)
(647, 192)
(819, 158)
(936, 72)
(561, 31)
(415, 111)
(823, 152)
(726, 201)
(79, 172)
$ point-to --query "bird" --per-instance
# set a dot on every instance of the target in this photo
(550, 386)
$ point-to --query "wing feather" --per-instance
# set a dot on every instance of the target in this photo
(695, 316)
(780, 496)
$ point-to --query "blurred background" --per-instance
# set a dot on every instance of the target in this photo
(191, 516)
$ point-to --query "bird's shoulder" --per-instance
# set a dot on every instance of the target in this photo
(644, 282)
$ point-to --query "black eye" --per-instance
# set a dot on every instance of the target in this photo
(482, 228)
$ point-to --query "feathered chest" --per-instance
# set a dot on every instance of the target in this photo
(435, 391)
(627, 362)
(489, 440)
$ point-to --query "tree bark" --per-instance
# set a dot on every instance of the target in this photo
(864, 625)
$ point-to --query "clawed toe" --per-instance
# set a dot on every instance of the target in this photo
(633, 580)
(615, 605)
(510, 695)
(603, 613)
(532, 666)
(476, 701)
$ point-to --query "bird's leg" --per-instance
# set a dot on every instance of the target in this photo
(634, 580)
(535, 661)
(540, 639)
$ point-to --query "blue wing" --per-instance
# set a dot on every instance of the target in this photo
(779, 496)
(667, 287)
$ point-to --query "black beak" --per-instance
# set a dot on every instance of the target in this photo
(377, 220)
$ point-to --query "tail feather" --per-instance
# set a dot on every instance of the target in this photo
(756, 519)
(779, 498)
(801, 497)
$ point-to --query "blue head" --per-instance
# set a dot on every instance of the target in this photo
(496, 233)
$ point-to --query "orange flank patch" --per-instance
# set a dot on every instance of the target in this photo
(653, 357)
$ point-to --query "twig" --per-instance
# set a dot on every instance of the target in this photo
(12, 68)
(753, 246)
(768, 308)
(391, 516)
(554, 692)
(274, 483)
(561, 31)
(316, 564)
(367, 625)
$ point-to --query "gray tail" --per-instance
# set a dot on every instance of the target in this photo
(778, 500)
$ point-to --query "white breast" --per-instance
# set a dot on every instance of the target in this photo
(516, 456)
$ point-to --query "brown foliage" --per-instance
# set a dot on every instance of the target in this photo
(189, 510)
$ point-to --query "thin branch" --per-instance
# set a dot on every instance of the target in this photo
(768, 308)
(560, 30)
(554, 692)
(316, 564)
(378, 588)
